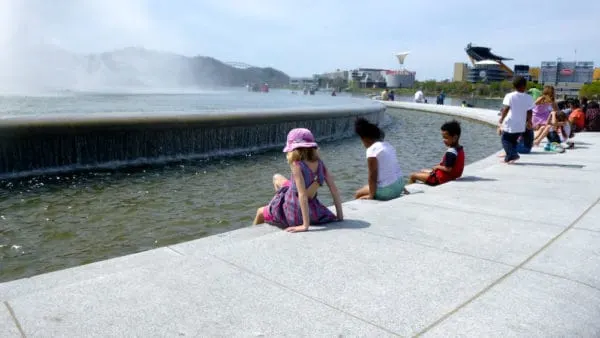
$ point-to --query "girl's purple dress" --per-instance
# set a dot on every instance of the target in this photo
(541, 112)
(284, 208)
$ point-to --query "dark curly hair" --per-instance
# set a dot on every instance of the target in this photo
(366, 129)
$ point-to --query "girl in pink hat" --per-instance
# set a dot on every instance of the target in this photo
(295, 205)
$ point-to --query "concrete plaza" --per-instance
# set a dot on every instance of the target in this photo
(508, 250)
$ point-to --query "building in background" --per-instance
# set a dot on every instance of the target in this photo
(368, 77)
(399, 78)
(301, 82)
(487, 71)
(461, 72)
(566, 77)
(487, 66)
(534, 72)
(522, 70)
(337, 79)
(596, 76)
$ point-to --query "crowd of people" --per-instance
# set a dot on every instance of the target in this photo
(525, 122)
(528, 120)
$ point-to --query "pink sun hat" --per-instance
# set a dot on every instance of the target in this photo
(299, 138)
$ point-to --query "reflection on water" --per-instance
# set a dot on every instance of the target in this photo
(54, 222)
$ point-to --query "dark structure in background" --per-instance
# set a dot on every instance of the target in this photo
(487, 66)
(522, 70)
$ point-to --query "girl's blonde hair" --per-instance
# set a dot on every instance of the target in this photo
(548, 94)
(303, 154)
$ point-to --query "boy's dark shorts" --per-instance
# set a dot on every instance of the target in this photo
(553, 137)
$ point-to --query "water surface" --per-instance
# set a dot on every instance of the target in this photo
(55, 222)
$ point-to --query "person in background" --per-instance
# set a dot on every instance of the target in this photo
(295, 205)
(584, 104)
(543, 106)
(419, 97)
(385, 176)
(577, 117)
(559, 132)
(565, 106)
(592, 117)
(525, 142)
(515, 118)
(453, 162)
(535, 93)
(385, 95)
(391, 95)
(440, 98)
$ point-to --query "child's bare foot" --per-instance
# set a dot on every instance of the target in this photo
(502, 154)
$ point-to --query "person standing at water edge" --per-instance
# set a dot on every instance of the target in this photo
(385, 95)
(385, 176)
(515, 118)
(419, 97)
(295, 205)
(440, 98)
(453, 162)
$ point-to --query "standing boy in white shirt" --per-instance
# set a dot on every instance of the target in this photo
(515, 118)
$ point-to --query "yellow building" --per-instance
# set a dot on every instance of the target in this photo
(596, 74)
(461, 70)
(534, 72)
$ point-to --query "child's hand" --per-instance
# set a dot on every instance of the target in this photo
(499, 131)
(299, 228)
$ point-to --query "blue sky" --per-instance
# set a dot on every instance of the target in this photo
(302, 37)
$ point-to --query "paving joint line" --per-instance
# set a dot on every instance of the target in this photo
(509, 273)
(283, 286)
(587, 229)
(483, 213)
(437, 248)
(562, 277)
(14, 318)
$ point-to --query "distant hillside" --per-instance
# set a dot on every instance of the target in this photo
(49, 67)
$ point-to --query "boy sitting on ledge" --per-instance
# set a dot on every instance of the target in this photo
(452, 164)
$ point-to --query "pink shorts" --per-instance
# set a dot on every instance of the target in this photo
(266, 212)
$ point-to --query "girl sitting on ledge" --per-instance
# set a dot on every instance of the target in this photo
(295, 205)
(385, 176)
(544, 106)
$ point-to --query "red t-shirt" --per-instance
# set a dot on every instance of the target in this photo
(577, 117)
(455, 159)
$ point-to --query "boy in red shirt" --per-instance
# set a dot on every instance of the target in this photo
(577, 117)
(453, 162)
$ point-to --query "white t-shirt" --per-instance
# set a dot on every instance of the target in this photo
(419, 96)
(388, 169)
(516, 118)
